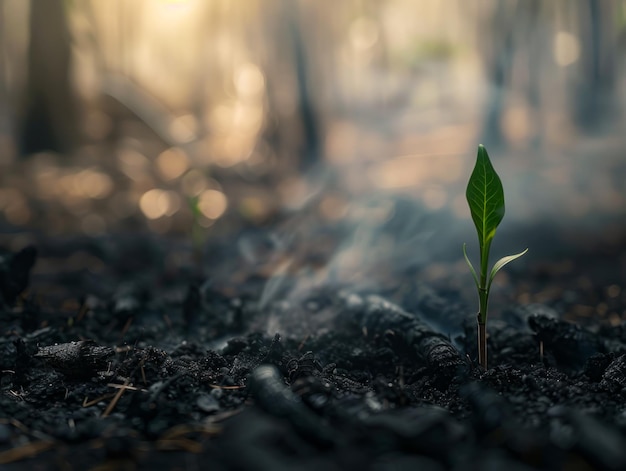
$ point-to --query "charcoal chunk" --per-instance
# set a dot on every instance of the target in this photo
(614, 377)
(569, 343)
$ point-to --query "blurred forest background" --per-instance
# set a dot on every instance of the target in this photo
(166, 115)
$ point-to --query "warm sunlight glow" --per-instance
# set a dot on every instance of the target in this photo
(363, 33)
(249, 80)
(178, 5)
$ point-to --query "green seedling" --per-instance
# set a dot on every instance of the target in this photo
(485, 197)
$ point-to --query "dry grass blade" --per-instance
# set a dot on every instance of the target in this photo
(116, 398)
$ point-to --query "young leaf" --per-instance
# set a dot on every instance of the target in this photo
(500, 263)
(485, 197)
(469, 264)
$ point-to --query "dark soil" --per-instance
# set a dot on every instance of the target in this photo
(124, 355)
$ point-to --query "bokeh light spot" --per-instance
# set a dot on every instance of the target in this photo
(157, 203)
(93, 184)
(172, 163)
(212, 203)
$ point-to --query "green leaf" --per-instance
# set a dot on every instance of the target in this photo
(485, 197)
(500, 263)
(471, 267)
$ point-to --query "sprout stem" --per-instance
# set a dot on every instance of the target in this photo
(482, 343)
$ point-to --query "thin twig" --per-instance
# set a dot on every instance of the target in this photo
(116, 398)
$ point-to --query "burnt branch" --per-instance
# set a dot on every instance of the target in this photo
(379, 316)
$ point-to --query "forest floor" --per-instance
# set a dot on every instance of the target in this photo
(135, 352)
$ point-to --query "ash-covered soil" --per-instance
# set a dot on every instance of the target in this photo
(145, 361)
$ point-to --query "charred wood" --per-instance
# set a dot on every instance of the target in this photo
(378, 316)
(77, 359)
(570, 344)
(273, 396)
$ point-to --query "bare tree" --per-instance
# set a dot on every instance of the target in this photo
(496, 38)
(49, 119)
(593, 89)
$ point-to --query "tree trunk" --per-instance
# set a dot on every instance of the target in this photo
(593, 92)
(49, 120)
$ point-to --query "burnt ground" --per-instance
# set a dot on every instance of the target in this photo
(121, 353)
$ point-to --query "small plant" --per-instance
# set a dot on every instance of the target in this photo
(485, 197)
